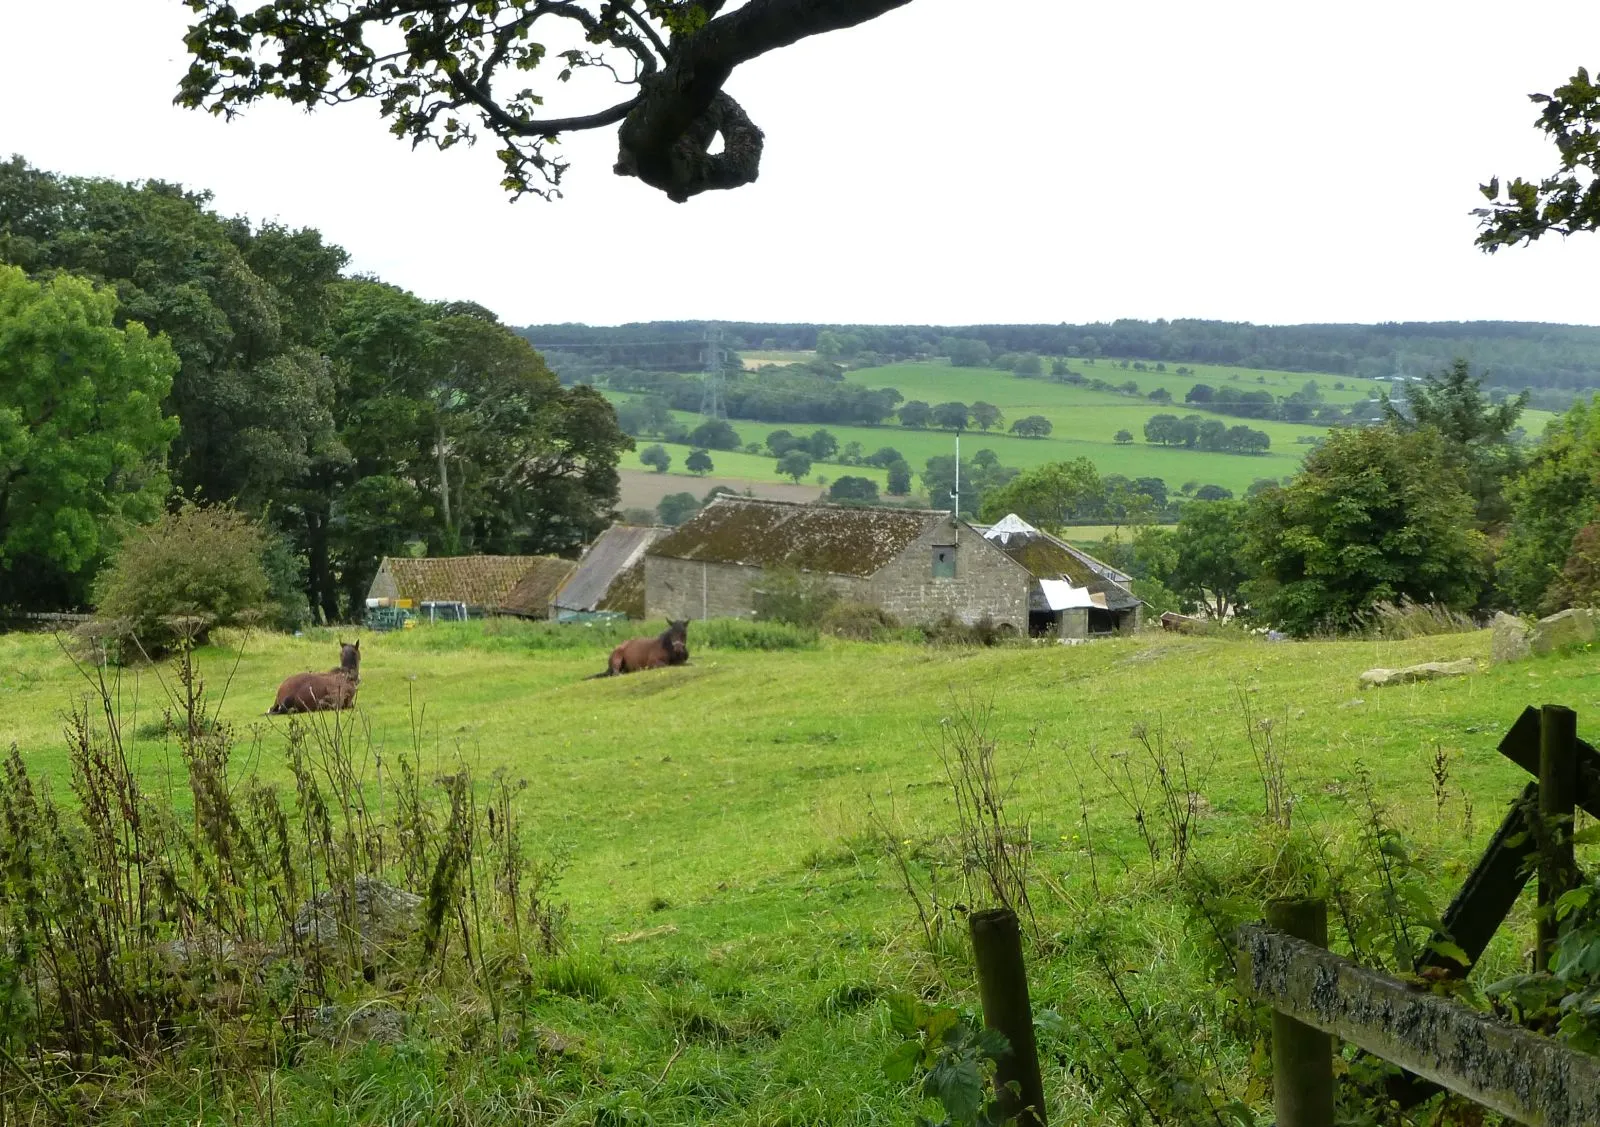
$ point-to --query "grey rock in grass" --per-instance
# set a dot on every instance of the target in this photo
(1568, 628)
(378, 914)
(1427, 671)
(1511, 639)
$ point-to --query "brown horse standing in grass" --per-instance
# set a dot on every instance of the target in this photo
(670, 647)
(322, 692)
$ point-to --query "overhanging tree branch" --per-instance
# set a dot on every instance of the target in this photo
(458, 54)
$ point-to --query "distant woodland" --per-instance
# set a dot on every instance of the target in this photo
(1556, 362)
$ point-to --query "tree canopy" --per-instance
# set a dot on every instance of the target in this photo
(1568, 200)
(441, 71)
(352, 418)
(1374, 515)
(82, 437)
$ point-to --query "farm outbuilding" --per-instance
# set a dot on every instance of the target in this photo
(610, 574)
(1074, 595)
(920, 565)
(511, 585)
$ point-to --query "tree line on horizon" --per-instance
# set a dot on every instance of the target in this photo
(1511, 355)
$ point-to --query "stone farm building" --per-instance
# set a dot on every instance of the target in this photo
(920, 565)
(610, 574)
(513, 585)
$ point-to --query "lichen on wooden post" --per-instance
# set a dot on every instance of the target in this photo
(1003, 989)
(1558, 796)
(1302, 1057)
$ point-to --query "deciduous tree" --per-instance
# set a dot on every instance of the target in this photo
(1374, 515)
(82, 437)
(656, 457)
(441, 71)
(698, 462)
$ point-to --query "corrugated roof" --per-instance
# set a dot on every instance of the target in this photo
(538, 585)
(1045, 557)
(613, 552)
(478, 581)
(760, 533)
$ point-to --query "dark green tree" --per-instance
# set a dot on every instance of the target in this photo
(1476, 431)
(447, 70)
(1048, 496)
(915, 413)
(1551, 501)
(795, 464)
(675, 508)
(899, 478)
(82, 436)
(698, 462)
(715, 434)
(986, 415)
(656, 457)
(1565, 202)
(1375, 514)
(1123, 437)
(861, 490)
(1033, 426)
(951, 416)
(1208, 563)
(822, 445)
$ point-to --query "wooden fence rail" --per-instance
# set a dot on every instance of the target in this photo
(1533, 1079)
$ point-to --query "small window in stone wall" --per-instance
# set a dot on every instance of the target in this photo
(944, 563)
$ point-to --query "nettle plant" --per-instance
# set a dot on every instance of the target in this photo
(954, 1057)
(1566, 998)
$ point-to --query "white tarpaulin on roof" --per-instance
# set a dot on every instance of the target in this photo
(1062, 595)
(1009, 526)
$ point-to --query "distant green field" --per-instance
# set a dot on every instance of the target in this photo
(1085, 424)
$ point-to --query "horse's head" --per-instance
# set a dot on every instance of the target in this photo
(350, 656)
(676, 639)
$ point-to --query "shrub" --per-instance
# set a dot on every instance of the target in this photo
(199, 562)
(951, 631)
(794, 597)
(742, 634)
(860, 622)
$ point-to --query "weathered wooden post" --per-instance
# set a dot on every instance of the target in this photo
(1302, 1058)
(1003, 989)
(1558, 797)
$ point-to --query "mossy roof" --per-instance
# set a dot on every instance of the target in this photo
(538, 585)
(626, 593)
(518, 584)
(1045, 557)
(760, 533)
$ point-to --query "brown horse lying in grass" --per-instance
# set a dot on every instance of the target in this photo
(321, 692)
(670, 647)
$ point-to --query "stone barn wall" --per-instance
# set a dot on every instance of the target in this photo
(986, 581)
(696, 589)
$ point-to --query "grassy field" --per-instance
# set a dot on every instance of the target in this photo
(1085, 424)
(728, 890)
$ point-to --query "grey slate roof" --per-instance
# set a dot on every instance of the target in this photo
(613, 552)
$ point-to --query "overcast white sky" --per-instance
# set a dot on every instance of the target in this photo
(951, 162)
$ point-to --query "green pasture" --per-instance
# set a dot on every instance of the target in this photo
(734, 919)
(734, 769)
(1085, 424)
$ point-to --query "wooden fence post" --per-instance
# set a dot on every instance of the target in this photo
(1003, 989)
(1302, 1058)
(1558, 796)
